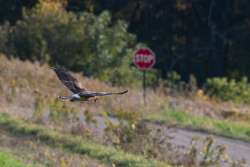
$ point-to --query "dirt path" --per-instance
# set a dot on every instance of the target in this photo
(236, 149)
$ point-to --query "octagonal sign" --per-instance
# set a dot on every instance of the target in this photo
(144, 58)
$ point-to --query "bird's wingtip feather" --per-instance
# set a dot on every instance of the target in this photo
(126, 91)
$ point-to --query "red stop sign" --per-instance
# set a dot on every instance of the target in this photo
(144, 58)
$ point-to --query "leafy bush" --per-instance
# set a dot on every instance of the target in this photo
(81, 42)
(129, 132)
(229, 89)
(175, 85)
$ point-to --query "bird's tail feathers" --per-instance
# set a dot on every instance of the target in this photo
(120, 93)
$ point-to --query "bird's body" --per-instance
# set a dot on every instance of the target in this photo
(79, 93)
(74, 97)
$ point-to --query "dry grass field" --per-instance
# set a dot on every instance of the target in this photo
(29, 91)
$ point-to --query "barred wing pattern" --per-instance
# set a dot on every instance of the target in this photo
(68, 80)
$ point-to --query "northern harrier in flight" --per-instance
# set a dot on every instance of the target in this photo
(79, 93)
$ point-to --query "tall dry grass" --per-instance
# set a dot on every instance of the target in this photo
(23, 84)
(30, 90)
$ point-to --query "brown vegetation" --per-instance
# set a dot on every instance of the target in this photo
(29, 90)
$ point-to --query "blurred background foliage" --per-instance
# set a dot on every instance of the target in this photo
(81, 42)
(202, 38)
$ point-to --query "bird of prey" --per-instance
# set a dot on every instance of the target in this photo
(79, 93)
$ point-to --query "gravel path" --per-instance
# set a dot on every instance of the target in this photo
(237, 149)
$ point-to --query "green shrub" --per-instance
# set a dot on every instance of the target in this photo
(175, 85)
(83, 42)
(229, 89)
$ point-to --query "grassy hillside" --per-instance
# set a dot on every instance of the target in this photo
(7, 160)
(232, 129)
(25, 83)
(29, 91)
(110, 131)
(30, 85)
(74, 144)
(29, 150)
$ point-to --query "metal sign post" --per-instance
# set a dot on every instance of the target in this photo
(144, 59)
(144, 87)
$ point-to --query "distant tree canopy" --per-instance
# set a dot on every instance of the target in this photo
(206, 38)
(81, 42)
(203, 37)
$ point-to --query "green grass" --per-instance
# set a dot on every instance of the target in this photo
(7, 160)
(74, 144)
(238, 130)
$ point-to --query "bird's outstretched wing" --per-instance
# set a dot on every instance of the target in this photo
(91, 93)
(68, 80)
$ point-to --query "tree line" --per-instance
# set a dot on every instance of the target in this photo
(206, 38)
